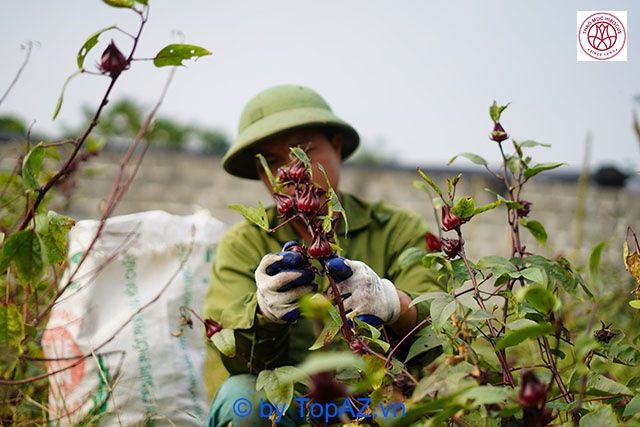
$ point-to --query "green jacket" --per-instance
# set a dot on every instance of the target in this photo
(377, 235)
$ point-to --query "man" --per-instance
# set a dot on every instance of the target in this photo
(255, 286)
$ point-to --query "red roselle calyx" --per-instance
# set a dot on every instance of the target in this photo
(532, 392)
(113, 61)
(498, 134)
(309, 200)
(525, 209)
(324, 388)
(451, 247)
(284, 204)
(211, 327)
(449, 220)
(433, 242)
(320, 247)
(283, 174)
(298, 173)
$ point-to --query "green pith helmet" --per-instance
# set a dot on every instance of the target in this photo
(279, 109)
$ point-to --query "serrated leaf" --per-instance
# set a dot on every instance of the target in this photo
(515, 337)
(26, 250)
(498, 265)
(428, 296)
(536, 229)
(535, 170)
(488, 207)
(429, 181)
(256, 215)
(11, 336)
(90, 44)
(478, 160)
(532, 274)
(174, 54)
(128, 4)
(278, 392)
(496, 110)
(31, 167)
(58, 106)
(465, 208)
(225, 341)
(441, 310)
(55, 236)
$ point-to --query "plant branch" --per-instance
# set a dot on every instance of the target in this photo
(20, 70)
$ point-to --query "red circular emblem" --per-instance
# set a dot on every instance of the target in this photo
(602, 35)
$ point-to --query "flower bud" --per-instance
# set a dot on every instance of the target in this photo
(451, 247)
(284, 204)
(532, 391)
(320, 247)
(498, 134)
(449, 220)
(113, 61)
(433, 242)
(283, 174)
(324, 388)
(308, 200)
(525, 209)
(357, 346)
(211, 327)
(298, 173)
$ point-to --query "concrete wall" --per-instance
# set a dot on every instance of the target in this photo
(177, 182)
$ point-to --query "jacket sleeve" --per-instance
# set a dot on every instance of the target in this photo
(231, 301)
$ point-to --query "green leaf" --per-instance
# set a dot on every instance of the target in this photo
(58, 106)
(460, 271)
(478, 160)
(143, 2)
(11, 336)
(31, 166)
(331, 328)
(95, 144)
(90, 44)
(488, 207)
(600, 385)
(529, 143)
(464, 208)
(410, 256)
(26, 250)
(267, 171)
(536, 229)
(428, 296)
(517, 336)
(633, 407)
(498, 265)
(486, 395)
(532, 274)
(429, 181)
(278, 392)
(174, 54)
(496, 110)
(55, 236)
(256, 215)
(336, 206)
(535, 170)
(330, 361)
(425, 342)
(225, 341)
(441, 310)
(301, 155)
(603, 416)
(594, 263)
(120, 3)
(539, 297)
(635, 303)
(334, 201)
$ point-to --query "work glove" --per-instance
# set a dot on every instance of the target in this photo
(373, 299)
(282, 278)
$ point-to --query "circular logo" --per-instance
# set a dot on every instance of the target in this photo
(602, 35)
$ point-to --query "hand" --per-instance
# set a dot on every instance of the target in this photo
(282, 278)
(373, 299)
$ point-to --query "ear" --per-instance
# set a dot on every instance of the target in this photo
(336, 142)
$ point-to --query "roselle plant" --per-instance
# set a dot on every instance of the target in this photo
(33, 237)
(517, 335)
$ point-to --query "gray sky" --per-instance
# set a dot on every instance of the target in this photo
(416, 76)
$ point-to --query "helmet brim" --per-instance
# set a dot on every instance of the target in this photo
(240, 159)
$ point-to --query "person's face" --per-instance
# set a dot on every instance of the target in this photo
(320, 149)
